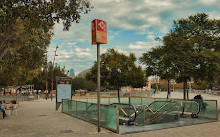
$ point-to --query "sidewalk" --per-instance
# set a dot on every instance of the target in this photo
(39, 119)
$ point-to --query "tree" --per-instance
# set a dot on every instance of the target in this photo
(25, 32)
(192, 49)
(83, 84)
(157, 63)
(35, 14)
(118, 70)
(39, 79)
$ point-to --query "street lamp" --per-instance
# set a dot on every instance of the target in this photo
(52, 72)
(173, 82)
(46, 77)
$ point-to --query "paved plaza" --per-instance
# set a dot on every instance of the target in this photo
(39, 119)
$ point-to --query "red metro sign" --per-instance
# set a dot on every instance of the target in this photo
(99, 32)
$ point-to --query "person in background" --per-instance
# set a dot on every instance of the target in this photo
(169, 93)
(155, 91)
(2, 109)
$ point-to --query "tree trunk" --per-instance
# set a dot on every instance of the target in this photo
(168, 88)
(187, 92)
(156, 84)
(118, 96)
(184, 89)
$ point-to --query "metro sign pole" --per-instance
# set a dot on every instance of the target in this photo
(99, 36)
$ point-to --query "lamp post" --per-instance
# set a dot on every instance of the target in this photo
(52, 72)
(46, 77)
(173, 82)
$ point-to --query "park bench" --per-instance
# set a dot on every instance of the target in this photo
(10, 107)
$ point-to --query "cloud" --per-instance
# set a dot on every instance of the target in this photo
(209, 2)
(145, 19)
(140, 45)
(133, 15)
(72, 57)
(78, 32)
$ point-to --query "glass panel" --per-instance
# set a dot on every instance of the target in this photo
(104, 100)
(135, 101)
(147, 101)
(92, 100)
(124, 100)
(108, 117)
(88, 111)
(91, 113)
(65, 106)
(113, 100)
(72, 108)
(208, 109)
(81, 108)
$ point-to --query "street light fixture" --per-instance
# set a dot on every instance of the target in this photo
(52, 72)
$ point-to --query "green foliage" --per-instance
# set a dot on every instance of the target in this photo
(191, 50)
(154, 86)
(25, 32)
(118, 70)
(193, 44)
(39, 80)
(80, 83)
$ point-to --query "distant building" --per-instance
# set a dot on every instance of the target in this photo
(72, 74)
(152, 81)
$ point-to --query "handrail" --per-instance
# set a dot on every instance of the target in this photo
(135, 111)
(148, 108)
(198, 106)
(166, 103)
(167, 111)
(170, 108)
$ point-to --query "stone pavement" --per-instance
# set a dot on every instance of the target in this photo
(39, 119)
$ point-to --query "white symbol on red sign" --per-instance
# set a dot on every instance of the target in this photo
(102, 25)
(93, 26)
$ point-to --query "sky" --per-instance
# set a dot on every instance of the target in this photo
(132, 26)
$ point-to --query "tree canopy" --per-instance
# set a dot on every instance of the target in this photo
(25, 32)
(80, 83)
(39, 79)
(118, 70)
(190, 50)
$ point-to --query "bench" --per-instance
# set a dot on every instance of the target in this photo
(12, 108)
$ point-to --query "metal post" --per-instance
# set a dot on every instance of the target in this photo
(98, 84)
(52, 73)
(216, 110)
(129, 100)
(179, 112)
(52, 83)
(46, 78)
(117, 119)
